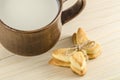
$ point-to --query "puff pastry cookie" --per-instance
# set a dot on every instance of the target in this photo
(67, 57)
(76, 58)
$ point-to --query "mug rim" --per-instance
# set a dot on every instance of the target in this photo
(45, 27)
(39, 29)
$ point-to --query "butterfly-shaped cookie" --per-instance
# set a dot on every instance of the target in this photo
(77, 56)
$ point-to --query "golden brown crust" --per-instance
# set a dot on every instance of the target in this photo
(78, 63)
(60, 54)
(81, 36)
(78, 57)
(74, 39)
(79, 72)
(94, 52)
(93, 56)
(57, 62)
(92, 47)
(60, 51)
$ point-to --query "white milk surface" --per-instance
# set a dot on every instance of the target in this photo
(28, 14)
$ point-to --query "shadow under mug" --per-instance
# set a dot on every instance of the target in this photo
(35, 42)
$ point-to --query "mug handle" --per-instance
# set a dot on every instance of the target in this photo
(73, 11)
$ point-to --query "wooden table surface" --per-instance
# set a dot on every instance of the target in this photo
(101, 20)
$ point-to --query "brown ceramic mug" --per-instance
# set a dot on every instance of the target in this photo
(35, 42)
